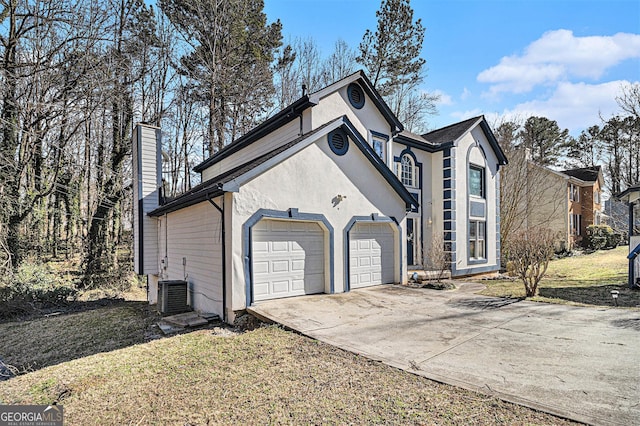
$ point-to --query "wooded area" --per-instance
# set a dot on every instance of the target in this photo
(75, 75)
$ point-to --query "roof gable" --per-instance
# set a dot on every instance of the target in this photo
(230, 181)
(276, 121)
(452, 132)
(360, 78)
(444, 137)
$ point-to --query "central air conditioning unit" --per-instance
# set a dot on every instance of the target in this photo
(172, 297)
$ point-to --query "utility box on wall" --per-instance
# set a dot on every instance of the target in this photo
(172, 297)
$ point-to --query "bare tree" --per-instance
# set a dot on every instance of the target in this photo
(530, 251)
(340, 64)
(629, 99)
(438, 258)
(530, 195)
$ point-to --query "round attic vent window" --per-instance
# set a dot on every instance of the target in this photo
(356, 95)
(338, 142)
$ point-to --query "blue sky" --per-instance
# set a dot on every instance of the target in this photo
(564, 60)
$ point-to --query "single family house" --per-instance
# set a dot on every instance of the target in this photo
(631, 196)
(328, 195)
(566, 201)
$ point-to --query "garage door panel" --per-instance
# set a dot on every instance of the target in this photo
(371, 255)
(294, 254)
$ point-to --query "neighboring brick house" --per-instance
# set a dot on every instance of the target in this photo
(584, 201)
(566, 202)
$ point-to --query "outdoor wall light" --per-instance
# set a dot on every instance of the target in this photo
(614, 294)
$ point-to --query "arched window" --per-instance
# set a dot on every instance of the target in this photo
(407, 170)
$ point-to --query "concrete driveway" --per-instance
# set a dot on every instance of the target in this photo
(580, 363)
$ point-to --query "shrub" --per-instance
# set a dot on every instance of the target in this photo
(33, 287)
(529, 252)
(438, 258)
(601, 237)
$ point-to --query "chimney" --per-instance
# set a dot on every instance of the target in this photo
(147, 181)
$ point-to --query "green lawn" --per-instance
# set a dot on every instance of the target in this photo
(99, 365)
(584, 280)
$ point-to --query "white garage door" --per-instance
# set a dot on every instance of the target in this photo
(371, 255)
(288, 259)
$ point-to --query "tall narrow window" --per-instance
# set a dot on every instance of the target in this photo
(476, 181)
(574, 192)
(575, 224)
(407, 171)
(477, 239)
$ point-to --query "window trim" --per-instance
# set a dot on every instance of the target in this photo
(401, 168)
(471, 257)
(574, 193)
(350, 89)
(483, 185)
(383, 139)
(575, 225)
(335, 149)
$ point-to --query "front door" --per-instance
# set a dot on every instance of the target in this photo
(411, 234)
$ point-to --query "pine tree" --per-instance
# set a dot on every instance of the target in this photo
(586, 149)
(545, 140)
(231, 50)
(392, 59)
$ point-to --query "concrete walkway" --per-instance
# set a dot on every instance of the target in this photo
(579, 363)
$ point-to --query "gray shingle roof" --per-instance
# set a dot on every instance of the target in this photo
(587, 174)
(451, 132)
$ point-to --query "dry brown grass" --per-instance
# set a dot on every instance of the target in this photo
(99, 326)
(581, 280)
(260, 377)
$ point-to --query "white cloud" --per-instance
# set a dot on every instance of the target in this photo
(574, 106)
(463, 115)
(445, 99)
(557, 56)
(466, 93)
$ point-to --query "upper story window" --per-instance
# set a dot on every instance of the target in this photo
(407, 171)
(574, 192)
(378, 144)
(476, 181)
(596, 196)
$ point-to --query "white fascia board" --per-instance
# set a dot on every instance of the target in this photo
(316, 96)
(235, 184)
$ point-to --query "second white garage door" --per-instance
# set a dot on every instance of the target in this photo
(288, 259)
(371, 255)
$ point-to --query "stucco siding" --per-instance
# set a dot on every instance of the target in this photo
(337, 104)
(473, 148)
(191, 250)
(278, 137)
(310, 182)
(422, 187)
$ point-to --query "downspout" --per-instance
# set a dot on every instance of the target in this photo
(224, 257)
